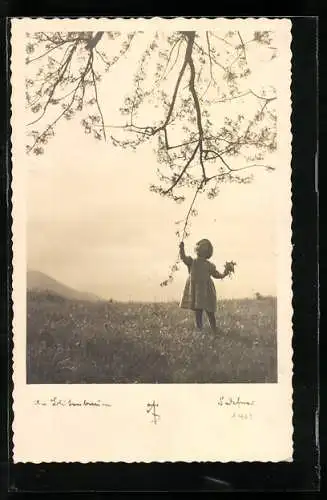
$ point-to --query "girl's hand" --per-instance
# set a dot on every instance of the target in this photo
(230, 268)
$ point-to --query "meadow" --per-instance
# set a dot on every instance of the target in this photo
(70, 341)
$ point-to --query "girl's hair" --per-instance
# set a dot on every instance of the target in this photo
(204, 249)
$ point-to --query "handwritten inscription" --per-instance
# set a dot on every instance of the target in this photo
(151, 408)
(236, 407)
(69, 403)
(234, 402)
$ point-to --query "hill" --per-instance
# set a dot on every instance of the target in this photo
(41, 282)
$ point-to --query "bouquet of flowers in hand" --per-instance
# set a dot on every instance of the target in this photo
(230, 268)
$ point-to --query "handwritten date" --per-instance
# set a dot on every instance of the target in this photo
(242, 416)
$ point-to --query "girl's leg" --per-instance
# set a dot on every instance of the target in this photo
(212, 321)
(198, 318)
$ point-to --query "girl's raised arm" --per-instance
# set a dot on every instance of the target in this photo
(184, 258)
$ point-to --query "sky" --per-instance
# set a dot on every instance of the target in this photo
(94, 225)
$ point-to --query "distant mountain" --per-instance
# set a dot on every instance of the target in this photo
(42, 282)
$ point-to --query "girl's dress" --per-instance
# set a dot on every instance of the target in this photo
(199, 291)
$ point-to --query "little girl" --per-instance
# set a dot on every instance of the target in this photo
(200, 293)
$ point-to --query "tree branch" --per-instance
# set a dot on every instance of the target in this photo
(38, 139)
(183, 171)
(97, 99)
(198, 113)
(61, 72)
(200, 143)
(180, 76)
(81, 79)
(92, 43)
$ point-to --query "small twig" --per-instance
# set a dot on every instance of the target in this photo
(235, 170)
(198, 189)
(222, 40)
(97, 99)
(243, 46)
(48, 51)
(123, 52)
(210, 64)
(163, 76)
(203, 52)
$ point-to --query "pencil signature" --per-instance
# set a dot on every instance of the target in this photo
(234, 402)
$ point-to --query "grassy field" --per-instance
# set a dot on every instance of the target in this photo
(108, 342)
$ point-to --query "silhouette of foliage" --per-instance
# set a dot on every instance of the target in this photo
(184, 77)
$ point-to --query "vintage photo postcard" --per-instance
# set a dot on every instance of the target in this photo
(151, 236)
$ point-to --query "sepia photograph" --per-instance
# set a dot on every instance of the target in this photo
(151, 241)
